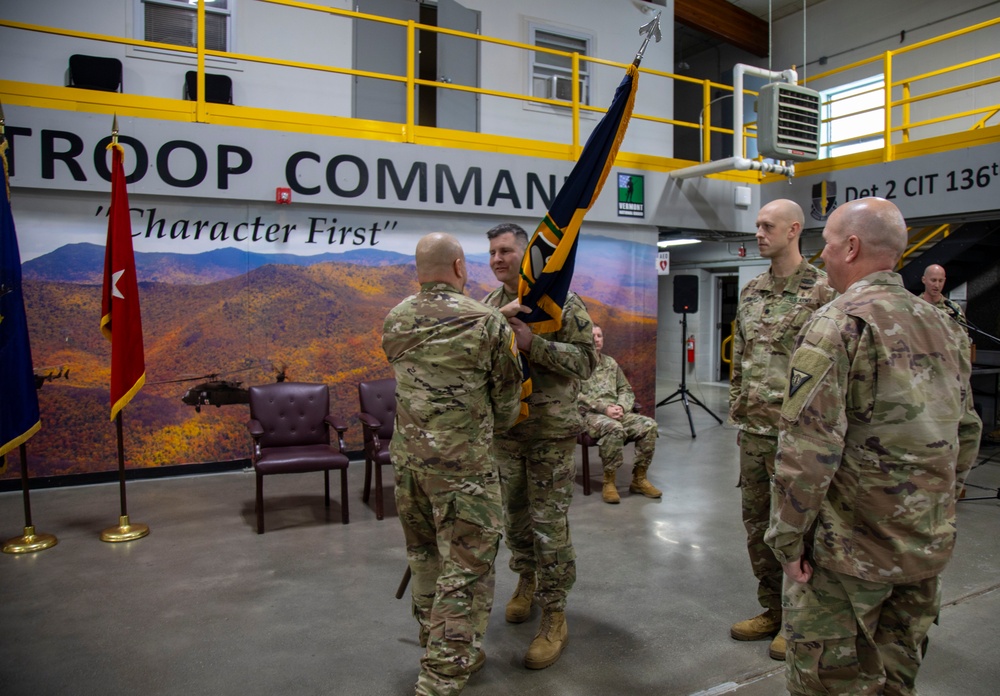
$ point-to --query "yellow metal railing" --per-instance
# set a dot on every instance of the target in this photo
(896, 111)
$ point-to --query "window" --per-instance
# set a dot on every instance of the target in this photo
(857, 111)
(551, 74)
(176, 22)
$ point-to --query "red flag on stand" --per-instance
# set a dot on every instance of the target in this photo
(121, 322)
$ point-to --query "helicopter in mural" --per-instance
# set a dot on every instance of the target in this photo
(218, 392)
(49, 374)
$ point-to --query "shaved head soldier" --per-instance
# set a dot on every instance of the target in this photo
(877, 435)
(773, 307)
(458, 380)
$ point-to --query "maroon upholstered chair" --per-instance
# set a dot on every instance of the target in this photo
(378, 417)
(290, 425)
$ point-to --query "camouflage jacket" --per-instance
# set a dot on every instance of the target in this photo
(952, 309)
(877, 436)
(606, 387)
(769, 316)
(458, 380)
(559, 361)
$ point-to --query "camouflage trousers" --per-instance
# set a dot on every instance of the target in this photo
(452, 527)
(537, 481)
(611, 436)
(757, 454)
(853, 637)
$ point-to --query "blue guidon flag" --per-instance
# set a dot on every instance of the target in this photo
(19, 415)
(547, 266)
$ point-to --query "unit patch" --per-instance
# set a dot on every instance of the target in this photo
(798, 378)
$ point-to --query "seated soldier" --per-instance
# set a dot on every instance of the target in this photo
(606, 402)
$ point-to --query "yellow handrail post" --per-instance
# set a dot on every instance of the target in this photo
(201, 110)
(411, 87)
(887, 71)
(576, 103)
(906, 112)
(706, 132)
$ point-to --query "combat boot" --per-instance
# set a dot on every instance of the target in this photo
(776, 651)
(610, 492)
(519, 606)
(549, 642)
(640, 484)
(759, 627)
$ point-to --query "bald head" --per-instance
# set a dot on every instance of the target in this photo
(787, 210)
(440, 258)
(862, 237)
(779, 224)
(933, 279)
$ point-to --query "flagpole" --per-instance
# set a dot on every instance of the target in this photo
(125, 531)
(29, 542)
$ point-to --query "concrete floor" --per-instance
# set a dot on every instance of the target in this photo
(206, 606)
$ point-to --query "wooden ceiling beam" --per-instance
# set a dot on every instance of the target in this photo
(724, 21)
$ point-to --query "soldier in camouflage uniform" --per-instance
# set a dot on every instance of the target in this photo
(606, 401)
(772, 309)
(877, 435)
(933, 279)
(458, 380)
(536, 455)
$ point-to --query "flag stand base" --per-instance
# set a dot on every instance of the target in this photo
(124, 531)
(29, 542)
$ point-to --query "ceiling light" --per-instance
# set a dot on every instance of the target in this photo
(663, 244)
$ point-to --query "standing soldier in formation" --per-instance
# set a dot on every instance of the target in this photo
(877, 436)
(772, 309)
(606, 401)
(536, 455)
(458, 380)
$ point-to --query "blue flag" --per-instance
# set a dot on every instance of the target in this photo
(19, 418)
(547, 266)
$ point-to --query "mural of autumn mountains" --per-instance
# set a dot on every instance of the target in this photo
(320, 322)
(616, 272)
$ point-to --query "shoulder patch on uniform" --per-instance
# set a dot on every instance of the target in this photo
(808, 369)
(797, 379)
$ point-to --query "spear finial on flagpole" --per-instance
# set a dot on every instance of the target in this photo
(1, 121)
(650, 29)
(114, 130)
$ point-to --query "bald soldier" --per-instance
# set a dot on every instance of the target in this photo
(773, 307)
(933, 279)
(458, 380)
(877, 435)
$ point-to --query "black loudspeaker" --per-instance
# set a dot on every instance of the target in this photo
(685, 294)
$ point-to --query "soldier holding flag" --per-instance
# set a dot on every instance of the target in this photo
(535, 457)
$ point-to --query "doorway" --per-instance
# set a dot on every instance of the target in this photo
(727, 293)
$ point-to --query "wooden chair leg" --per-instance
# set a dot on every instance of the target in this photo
(344, 514)
(260, 503)
(368, 480)
(326, 486)
(379, 513)
(586, 469)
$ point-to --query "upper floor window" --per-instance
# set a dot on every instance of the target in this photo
(854, 116)
(552, 74)
(176, 22)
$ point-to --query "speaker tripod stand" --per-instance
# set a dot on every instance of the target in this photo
(682, 394)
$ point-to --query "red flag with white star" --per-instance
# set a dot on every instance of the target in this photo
(121, 322)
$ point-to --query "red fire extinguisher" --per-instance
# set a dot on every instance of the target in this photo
(690, 348)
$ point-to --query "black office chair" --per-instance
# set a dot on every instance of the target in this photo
(218, 88)
(95, 72)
